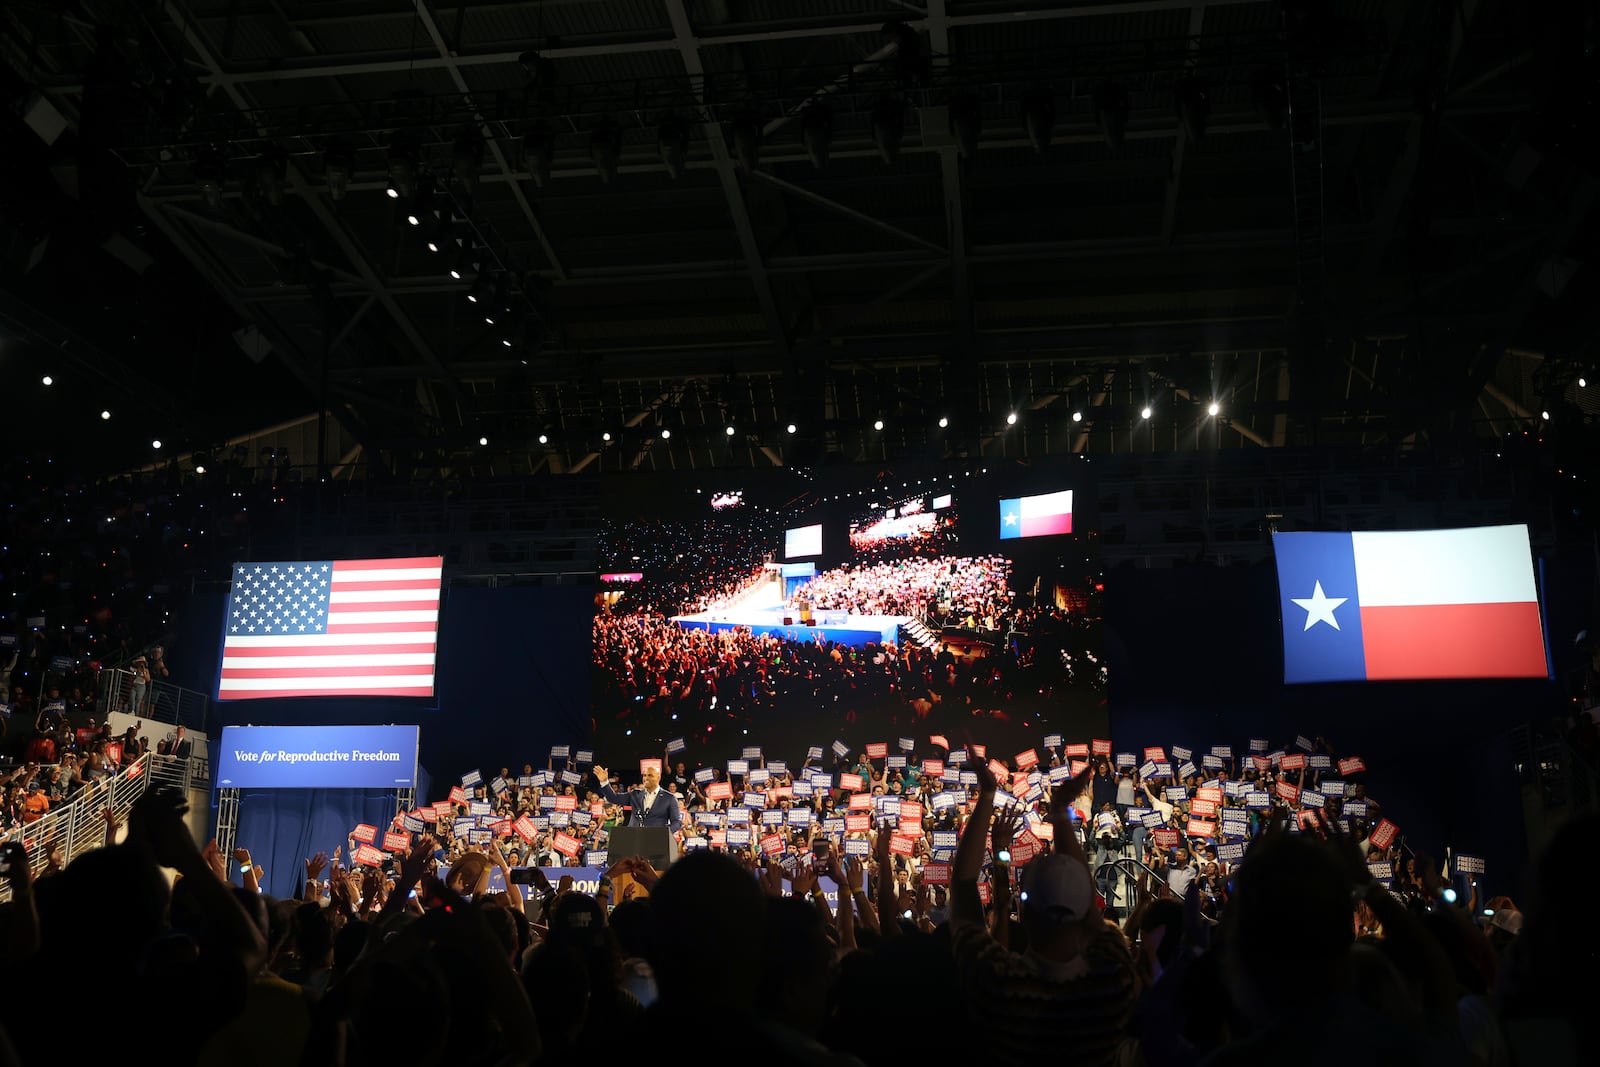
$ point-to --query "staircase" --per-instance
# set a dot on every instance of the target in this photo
(916, 632)
(81, 825)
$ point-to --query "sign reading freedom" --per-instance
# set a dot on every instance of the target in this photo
(317, 757)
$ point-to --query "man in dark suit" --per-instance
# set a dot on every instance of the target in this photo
(181, 746)
(652, 805)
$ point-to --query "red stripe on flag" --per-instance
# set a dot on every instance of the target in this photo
(384, 671)
(354, 583)
(340, 565)
(1044, 525)
(261, 694)
(1453, 641)
(312, 648)
(335, 610)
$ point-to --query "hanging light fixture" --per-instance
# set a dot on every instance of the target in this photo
(672, 141)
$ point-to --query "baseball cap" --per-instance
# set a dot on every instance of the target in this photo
(1058, 887)
(1508, 921)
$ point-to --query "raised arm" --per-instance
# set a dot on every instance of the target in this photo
(965, 905)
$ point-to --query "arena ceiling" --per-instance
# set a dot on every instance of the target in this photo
(1360, 222)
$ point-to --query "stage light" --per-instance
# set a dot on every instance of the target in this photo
(606, 436)
(402, 170)
(105, 415)
(1214, 409)
(199, 469)
(943, 422)
(48, 380)
(1583, 383)
(1077, 416)
(155, 444)
(391, 192)
(1545, 415)
(483, 440)
(544, 439)
(1144, 412)
(877, 424)
(1011, 418)
(792, 428)
(413, 217)
(666, 434)
(730, 431)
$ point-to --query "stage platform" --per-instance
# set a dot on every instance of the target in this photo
(837, 626)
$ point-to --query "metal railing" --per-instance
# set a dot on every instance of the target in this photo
(82, 823)
(158, 702)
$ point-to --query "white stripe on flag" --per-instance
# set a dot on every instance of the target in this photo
(373, 596)
(1047, 504)
(421, 637)
(288, 659)
(349, 618)
(346, 573)
(1486, 565)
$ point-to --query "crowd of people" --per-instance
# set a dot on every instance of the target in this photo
(868, 893)
(687, 566)
(976, 588)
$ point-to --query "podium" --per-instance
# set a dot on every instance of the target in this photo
(654, 843)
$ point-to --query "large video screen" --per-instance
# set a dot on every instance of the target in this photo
(1036, 516)
(1409, 605)
(902, 617)
(803, 542)
(331, 627)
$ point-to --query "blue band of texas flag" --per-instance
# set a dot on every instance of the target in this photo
(1409, 605)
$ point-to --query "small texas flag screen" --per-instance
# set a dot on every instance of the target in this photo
(1036, 516)
(1413, 604)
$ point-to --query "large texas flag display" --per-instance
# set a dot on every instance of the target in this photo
(1036, 516)
(1409, 605)
(341, 627)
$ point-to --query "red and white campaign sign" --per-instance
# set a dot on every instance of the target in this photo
(978, 751)
(364, 833)
(902, 844)
(1289, 791)
(1164, 837)
(1077, 767)
(499, 828)
(936, 874)
(367, 856)
(442, 810)
(851, 782)
(1353, 765)
(1100, 748)
(458, 795)
(1201, 828)
(933, 767)
(719, 839)
(136, 770)
(1023, 852)
(1000, 771)
(877, 750)
(1156, 755)
(649, 765)
(781, 792)
(719, 791)
(1261, 763)
(1019, 782)
(397, 842)
(861, 802)
(1080, 751)
(940, 741)
(1383, 834)
(1203, 807)
(1029, 758)
(910, 811)
(1045, 831)
(857, 824)
(566, 802)
(772, 844)
(566, 844)
(525, 829)
(985, 892)
(1295, 761)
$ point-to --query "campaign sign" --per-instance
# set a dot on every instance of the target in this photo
(1231, 853)
(1164, 838)
(1353, 765)
(316, 757)
(1356, 809)
(1126, 759)
(1078, 751)
(878, 750)
(1383, 834)
(1466, 864)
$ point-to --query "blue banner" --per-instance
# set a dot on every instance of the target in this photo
(316, 757)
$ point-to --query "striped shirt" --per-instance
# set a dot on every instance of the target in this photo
(1031, 1007)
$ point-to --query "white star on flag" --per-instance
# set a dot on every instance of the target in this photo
(1011, 518)
(1319, 607)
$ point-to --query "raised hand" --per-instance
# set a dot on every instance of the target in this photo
(852, 874)
(805, 880)
(1003, 830)
(212, 854)
(600, 774)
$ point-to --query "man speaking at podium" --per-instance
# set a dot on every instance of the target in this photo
(652, 805)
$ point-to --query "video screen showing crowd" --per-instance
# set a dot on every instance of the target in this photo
(879, 605)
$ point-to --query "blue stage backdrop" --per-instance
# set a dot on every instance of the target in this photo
(513, 679)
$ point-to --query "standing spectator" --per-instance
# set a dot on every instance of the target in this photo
(140, 686)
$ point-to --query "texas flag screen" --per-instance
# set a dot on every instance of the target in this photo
(1036, 516)
(1409, 605)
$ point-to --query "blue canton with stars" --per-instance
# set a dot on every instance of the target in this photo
(279, 598)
